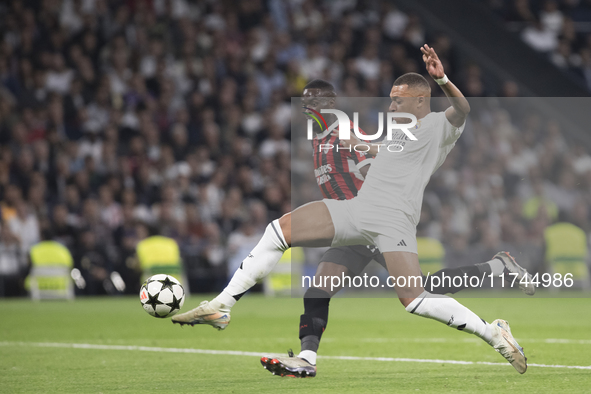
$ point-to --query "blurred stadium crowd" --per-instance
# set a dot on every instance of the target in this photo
(560, 29)
(511, 175)
(120, 119)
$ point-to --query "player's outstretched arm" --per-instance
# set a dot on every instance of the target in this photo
(460, 107)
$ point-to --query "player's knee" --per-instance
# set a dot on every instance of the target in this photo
(314, 293)
(405, 301)
(328, 278)
(285, 224)
(407, 295)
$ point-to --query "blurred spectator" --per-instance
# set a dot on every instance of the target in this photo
(62, 230)
(395, 21)
(12, 268)
(213, 252)
(92, 261)
(58, 80)
(25, 227)
(539, 37)
(539, 204)
(111, 214)
(8, 206)
(276, 144)
(268, 80)
(240, 243)
(126, 236)
(550, 17)
(553, 27)
(458, 253)
(586, 66)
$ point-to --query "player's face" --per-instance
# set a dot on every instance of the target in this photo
(316, 99)
(405, 99)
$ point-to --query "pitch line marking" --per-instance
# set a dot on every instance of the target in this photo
(259, 354)
(476, 340)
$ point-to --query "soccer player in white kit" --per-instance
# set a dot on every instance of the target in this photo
(384, 213)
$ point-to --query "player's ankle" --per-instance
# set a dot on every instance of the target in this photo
(309, 356)
(488, 334)
(223, 302)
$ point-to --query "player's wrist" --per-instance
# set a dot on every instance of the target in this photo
(442, 81)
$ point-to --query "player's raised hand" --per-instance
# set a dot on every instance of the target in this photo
(432, 62)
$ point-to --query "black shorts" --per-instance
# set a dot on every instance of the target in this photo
(356, 257)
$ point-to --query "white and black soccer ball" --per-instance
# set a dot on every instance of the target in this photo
(162, 295)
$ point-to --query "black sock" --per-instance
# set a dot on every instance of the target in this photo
(310, 342)
(484, 268)
(315, 318)
(445, 286)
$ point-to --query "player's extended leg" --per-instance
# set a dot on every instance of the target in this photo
(308, 225)
(312, 325)
(441, 282)
(316, 302)
(404, 268)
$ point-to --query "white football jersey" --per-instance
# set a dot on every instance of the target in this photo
(397, 179)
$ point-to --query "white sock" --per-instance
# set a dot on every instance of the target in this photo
(496, 266)
(259, 262)
(447, 310)
(309, 356)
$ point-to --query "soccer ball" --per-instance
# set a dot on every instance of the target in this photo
(162, 295)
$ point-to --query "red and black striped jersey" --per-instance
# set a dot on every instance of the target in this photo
(337, 171)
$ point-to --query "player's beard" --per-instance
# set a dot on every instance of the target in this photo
(319, 129)
(330, 119)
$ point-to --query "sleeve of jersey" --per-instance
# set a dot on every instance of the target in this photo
(451, 133)
(360, 158)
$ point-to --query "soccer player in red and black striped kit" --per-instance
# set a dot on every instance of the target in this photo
(340, 174)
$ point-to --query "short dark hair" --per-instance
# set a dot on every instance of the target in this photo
(413, 80)
(319, 84)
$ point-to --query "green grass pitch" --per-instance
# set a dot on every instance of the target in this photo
(552, 331)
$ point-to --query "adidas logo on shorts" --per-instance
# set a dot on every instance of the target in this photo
(401, 243)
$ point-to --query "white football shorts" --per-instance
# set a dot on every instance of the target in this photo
(356, 223)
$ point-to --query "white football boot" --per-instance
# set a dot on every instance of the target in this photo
(512, 266)
(293, 367)
(204, 314)
(504, 343)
